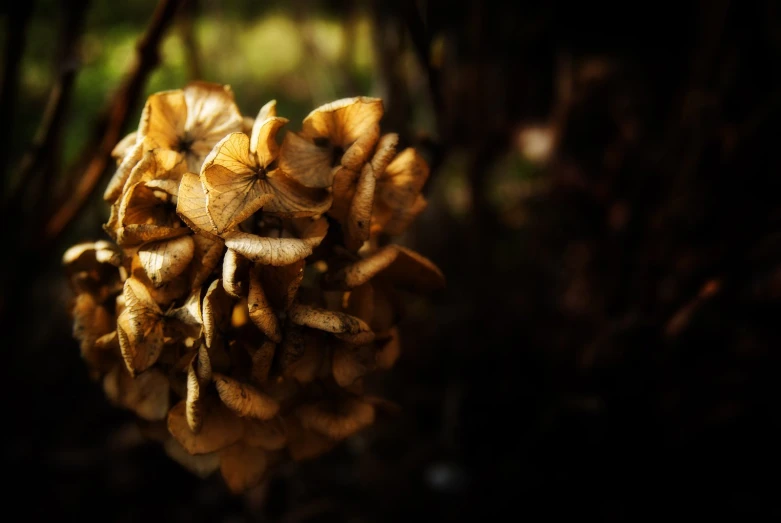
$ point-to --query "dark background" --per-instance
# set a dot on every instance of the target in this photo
(608, 343)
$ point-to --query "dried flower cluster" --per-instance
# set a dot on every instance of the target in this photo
(245, 294)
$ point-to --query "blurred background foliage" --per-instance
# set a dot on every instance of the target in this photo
(603, 200)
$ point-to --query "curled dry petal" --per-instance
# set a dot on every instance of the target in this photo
(336, 419)
(165, 260)
(242, 466)
(235, 273)
(191, 205)
(263, 142)
(217, 308)
(401, 265)
(386, 149)
(123, 146)
(353, 124)
(193, 401)
(158, 165)
(118, 180)
(398, 200)
(139, 328)
(278, 251)
(360, 214)
(261, 312)
(244, 399)
(220, 428)
(211, 114)
(344, 326)
(235, 184)
(308, 164)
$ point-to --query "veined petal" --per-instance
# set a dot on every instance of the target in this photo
(191, 205)
(305, 162)
(344, 121)
(293, 199)
(211, 114)
(165, 260)
(163, 120)
(344, 326)
(278, 251)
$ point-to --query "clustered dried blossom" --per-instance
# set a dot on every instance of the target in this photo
(245, 294)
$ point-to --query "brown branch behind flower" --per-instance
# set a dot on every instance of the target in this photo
(15, 36)
(42, 158)
(97, 153)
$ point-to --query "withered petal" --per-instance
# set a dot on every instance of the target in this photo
(165, 260)
(306, 163)
(261, 312)
(336, 421)
(244, 399)
(278, 251)
(344, 326)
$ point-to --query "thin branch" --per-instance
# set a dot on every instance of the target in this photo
(42, 158)
(16, 33)
(421, 40)
(110, 125)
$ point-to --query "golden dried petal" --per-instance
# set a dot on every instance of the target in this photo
(398, 199)
(211, 114)
(261, 312)
(242, 466)
(191, 205)
(234, 188)
(245, 400)
(360, 214)
(220, 428)
(133, 235)
(264, 141)
(117, 183)
(344, 326)
(268, 435)
(279, 251)
(202, 465)
(139, 328)
(386, 149)
(146, 394)
(193, 401)
(344, 121)
(305, 444)
(190, 312)
(165, 260)
(343, 192)
(262, 360)
(351, 363)
(145, 205)
(292, 199)
(125, 144)
(90, 322)
(163, 120)
(158, 165)
(206, 258)
(399, 264)
(336, 419)
(305, 162)
(235, 274)
(217, 308)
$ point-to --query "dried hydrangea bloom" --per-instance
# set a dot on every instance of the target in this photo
(187, 121)
(245, 300)
(338, 134)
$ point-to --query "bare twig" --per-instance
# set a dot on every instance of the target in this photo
(16, 32)
(42, 157)
(421, 40)
(110, 125)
